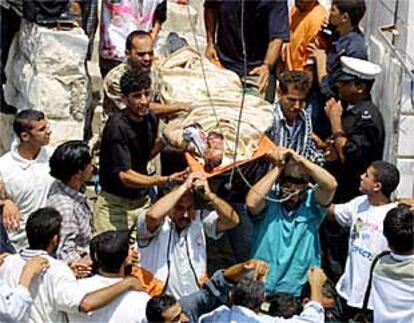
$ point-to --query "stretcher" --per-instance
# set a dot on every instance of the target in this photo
(265, 145)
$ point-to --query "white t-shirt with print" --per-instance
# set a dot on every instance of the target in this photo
(366, 240)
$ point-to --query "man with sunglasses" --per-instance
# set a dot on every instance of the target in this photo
(285, 227)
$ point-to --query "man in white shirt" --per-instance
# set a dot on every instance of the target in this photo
(364, 215)
(25, 171)
(392, 292)
(15, 303)
(56, 292)
(171, 236)
(109, 252)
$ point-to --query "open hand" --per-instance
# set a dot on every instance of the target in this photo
(82, 268)
(263, 72)
(318, 54)
(36, 266)
(211, 52)
(179, 176)
(11, 216)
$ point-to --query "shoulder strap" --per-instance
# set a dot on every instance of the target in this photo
(371, 271)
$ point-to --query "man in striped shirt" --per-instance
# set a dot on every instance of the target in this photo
(292, 126)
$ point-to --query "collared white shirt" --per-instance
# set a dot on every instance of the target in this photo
(14, 303)
(177, 246)
(128, 308)
(312, 312)
(54, 292)
(27, 184)
(366, 240)
(182, 281)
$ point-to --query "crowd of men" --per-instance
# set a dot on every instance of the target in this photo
(317, 235)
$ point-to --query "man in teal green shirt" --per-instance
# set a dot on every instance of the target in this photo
(285, 233)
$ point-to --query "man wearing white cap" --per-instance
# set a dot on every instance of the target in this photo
(356, 124)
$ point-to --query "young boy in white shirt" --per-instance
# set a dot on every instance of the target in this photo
(364, 215)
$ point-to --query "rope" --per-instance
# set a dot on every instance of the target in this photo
(230, 182)
(236, 167)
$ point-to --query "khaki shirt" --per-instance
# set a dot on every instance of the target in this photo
(112, 87)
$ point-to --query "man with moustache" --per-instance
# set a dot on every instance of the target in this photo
(139, 52)
(128, 143)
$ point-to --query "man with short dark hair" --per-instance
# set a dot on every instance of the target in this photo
(364, 216)
(292, 124)
(348, 40)
(357, 126)
(172, 235)
(139, 51)
(25, 172)
(247, 296)
(56, 293)
(109, 252)
(358, 138)
(72, 166)
(128, 143)
(15, 303)
(393, 276)
(285, 230)
(215, 292)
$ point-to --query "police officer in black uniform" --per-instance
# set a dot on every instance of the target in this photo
(357, 126)
(357, 140)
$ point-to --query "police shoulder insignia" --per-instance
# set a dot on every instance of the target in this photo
(366, 115)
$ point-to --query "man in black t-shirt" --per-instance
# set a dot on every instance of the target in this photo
(266, 27)
(129, 141)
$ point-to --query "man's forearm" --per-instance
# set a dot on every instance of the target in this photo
(164, 110)
(255, 199)
(273, 51)
(316, 294)
(104, 296)
(156, 29)
(164, 205)
(132, 179)
(210, 18)
(340, 138)
(228, 216)
(321, 176)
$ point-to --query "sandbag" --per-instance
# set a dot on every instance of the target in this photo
(46, 71)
